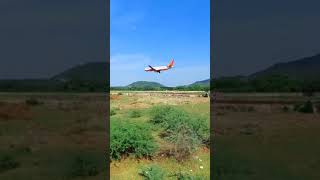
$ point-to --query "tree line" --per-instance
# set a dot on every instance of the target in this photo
(274, 83)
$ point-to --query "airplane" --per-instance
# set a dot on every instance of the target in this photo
(158, 69)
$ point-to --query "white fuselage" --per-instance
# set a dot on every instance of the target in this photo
(158, 68)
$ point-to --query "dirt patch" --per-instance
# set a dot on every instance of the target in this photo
(15, 111)
(115, 97)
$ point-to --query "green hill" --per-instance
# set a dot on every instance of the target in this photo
(201, 83)
(89, 77)
(145, 84)
(302, 75)
(92, 72)
(307, 68)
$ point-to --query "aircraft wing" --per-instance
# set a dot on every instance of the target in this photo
(152, 68)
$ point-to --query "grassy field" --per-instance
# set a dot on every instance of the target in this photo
(52, 136)
(253, 140)
(266, 140)
(196, 165)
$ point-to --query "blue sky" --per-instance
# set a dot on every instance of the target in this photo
(144, 32)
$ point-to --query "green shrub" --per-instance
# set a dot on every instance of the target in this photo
(306, 107)
(83, 167)
(134, 114)
(185, 142)
(285, 109)
(251, 109)
(172, 119)
(127, 138)
(249, 129)
(113, 111)
(7, 163)
(206, 94)
(152, 172)
(185, 131)
(33, 102)
(296, 107)
(159, 114)
(186, 176)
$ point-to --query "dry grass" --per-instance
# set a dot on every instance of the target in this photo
(267, 143)
(15, 111)
(64, 127)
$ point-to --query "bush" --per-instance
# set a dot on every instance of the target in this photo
(152, 172)
(251, 109)
(130, 139)
(185, 142)
(306, 107)
(186, 132)
(206, 94)
(33, 102)
(83, 167)
(297, 107)
(172, 119)
(8, 163)
(159, 114)
(285, 109)
(113, 111)
(134, 114)
(186, 176)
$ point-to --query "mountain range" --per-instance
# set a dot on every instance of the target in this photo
(97, 74)
(93, 72)
(307, 68)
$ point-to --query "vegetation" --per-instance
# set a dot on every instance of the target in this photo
(113, 111)
(301, 75)
(186, 176)
(7, 163)
(172, 119)
(155, 172)
(264, 144)
(272, 83)
(152, 172)
(306, 107)
(52, 85)
(186, 132)
(175, 151)
(83, 167)
(130, 139)
(134, 114)
(74, 152)
(33, 102)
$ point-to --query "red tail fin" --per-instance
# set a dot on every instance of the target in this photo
(171, 63)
